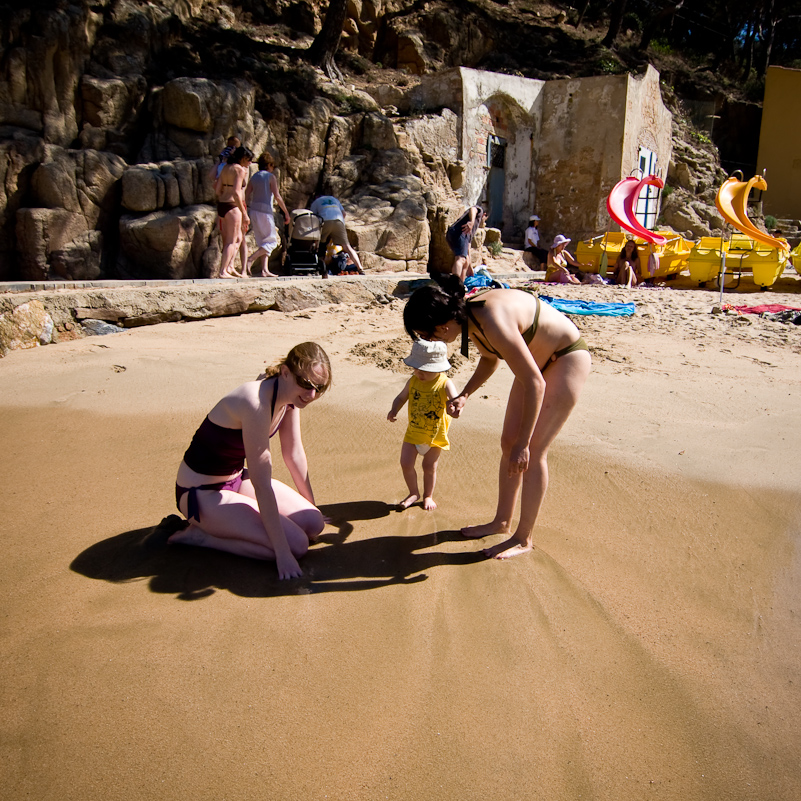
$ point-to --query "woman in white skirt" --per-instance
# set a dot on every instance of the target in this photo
(259, 196)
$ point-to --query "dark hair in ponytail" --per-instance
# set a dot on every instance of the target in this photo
(435, 304)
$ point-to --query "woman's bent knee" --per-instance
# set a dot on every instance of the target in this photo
(310, 522)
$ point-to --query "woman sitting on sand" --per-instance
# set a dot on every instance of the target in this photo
(627, 268)
(246, 511)
(557, 270)
(550, 362)
(231, 209)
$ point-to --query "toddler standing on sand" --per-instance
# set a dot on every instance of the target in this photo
(428, 392)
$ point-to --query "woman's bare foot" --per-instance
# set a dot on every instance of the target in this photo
(507, 549)
(408, 501)
(191, 535)
(429, 504)
(477, 532)
(265, 273)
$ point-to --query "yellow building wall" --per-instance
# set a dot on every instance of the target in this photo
(780, 143)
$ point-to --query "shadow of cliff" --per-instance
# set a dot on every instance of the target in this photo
(333, 564)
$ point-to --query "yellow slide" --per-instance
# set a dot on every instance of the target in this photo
(731, 201)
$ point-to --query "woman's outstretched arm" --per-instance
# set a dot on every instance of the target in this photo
(486, 366)
(295, 454)
(256, 420)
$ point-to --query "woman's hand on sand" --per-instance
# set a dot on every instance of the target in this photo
(518, 460)
(288, 567)
(455, 405)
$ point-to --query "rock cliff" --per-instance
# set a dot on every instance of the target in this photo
(112, 114)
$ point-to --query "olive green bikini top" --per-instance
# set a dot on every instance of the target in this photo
(528, 334)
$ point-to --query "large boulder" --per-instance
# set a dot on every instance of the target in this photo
(148, 187)
(42, 231)
(26, 326)
(42, 69)
(192, 118)
(81, 181)
(389, 221)
(73, 192)
(81, 259)
(166, 244)
(18, 155)
(111, 102)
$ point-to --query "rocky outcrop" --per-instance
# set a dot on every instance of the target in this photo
(694, 175)
(31, 319)
(168, 244)
(27, 325)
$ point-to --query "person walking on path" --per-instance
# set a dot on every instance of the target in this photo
(261, 190)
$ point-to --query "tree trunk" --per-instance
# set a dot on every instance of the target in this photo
(615, 22)
(583, 12)
(325, 45)
(651, 27)
(771, 21)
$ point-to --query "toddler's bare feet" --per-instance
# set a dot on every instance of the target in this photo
(477, 532)
(408, 501)
(429, 504)
(507, 549)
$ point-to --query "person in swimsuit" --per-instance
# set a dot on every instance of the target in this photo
(628, 271)
(559, 262)
(231, 209)
(245, 511)
(550, 361)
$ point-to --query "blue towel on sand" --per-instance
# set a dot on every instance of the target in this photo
(588, 307)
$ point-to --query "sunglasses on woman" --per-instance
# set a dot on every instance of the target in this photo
(304, 383)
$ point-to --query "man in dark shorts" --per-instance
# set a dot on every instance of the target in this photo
(330, 211)
(460, 236)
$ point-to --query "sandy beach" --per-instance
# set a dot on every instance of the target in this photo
(648, 648)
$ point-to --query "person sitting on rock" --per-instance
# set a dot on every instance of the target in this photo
(531, 241)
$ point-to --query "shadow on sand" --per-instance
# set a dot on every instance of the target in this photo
(332, 565)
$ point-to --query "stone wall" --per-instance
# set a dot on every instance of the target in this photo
(580, 153)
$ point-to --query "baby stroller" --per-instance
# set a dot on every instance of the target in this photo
(301, 257)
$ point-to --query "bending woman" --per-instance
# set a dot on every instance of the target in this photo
(245, 511)
(231, 209)
(550, 361)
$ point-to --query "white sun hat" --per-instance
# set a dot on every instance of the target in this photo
(533, 218)
(429, 356)
(559, 239)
